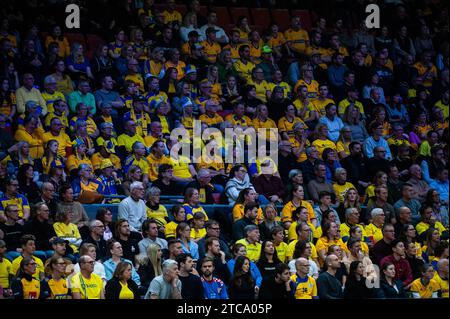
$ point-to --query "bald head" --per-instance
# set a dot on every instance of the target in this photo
(404, 214)
(442, 266)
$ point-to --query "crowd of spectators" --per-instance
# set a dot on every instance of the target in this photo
(359, 193)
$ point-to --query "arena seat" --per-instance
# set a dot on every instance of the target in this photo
(76, 37)
(223, 16)
(261, 16)
(282, 18)
(237, 12)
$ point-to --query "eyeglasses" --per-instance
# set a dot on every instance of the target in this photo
(100, 226)
(215, 228)
(89, 262)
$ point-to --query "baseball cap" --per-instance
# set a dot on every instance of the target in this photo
(211, 29)
(109, 146)
(106, 163)
(193, 33)
(266, 49)
(58, 240)
(190, 68)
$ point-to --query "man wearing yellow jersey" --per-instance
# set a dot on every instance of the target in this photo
(441, 277)
(305, 286)
(352, 98)
(57, 133)
(126, 140)
(443, 103)
(425, 287)
(297, 39)
(156, 158)
(137, 158)
(341, 186)
(426, 69)
(28, 248)
(303, 231)
(322, 99)
(244, 66)
(172, 16)
(234, 45)
(237, 118)
(375, 229)
(16, 203)
(262, 86)
(251, 242)
(50, 95)
(211, 46)
(86, 284)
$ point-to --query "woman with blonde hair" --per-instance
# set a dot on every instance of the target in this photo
(78, 64)
(189, 24)
(353, 120)
(213, 77)
(150, 264)
(56, 281)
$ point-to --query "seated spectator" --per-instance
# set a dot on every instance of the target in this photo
(374, 230)
(67, 230)
(82, 95)
(319, 184)
(189, 246)
(357, 253)
(325, 205)
(242, 284)
(116, 253)
(166, 182)
(303, 250)
(402, 268)
(149, 264)
(408, 201)
(155, 210)
(329, 237)
(246, 196)
(268, 184)
(213, 287)
(441, 183)
(12, 197)
(179, 215)
(150, 234)
(87, 278)
(25, 279)
(121, 285)
(279, 287)
(376, 140)
(328, 286)
(96, 230)
(132, 208)
(427, 221)
(28, 92)
(127, 239)
(213, 230)
(440, 211)
(192, 287)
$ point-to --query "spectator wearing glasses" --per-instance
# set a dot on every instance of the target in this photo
(86, 284)
(25, 286)
(12, 197)
(133, 208)
(96, 230)
(383, 247)
(213, 230)
(239, 180)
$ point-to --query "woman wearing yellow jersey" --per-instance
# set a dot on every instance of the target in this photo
(154, 209)
(25, 286)
(287, 122)
(121, 286)
(213, 78)
(343, 142)
(297, 195)
(379, 180)
(67, 230)
(246, 196)
(262, 121)
(330, 236)
(322, 142)
(78, 157)
(243, 28)
(56, 282)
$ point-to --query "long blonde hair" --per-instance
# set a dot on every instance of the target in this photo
(152, 257)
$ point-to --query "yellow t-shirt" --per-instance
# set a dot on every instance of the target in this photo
(125, 292)
(423, 227)
(154, 164)
(5, 271)
(15, 266)
(313, 87)
(261, 89)
(305, 288)
(323, 244)
(244, 70)
(292, 234)
(284, 125)
(238, 213)
(58, 289)
(443, 285)
(128, 141)
(427, 291)
(282, 249)
(212, 50)
(51, 98)
(321, 145)
(34, 140)
(198, 234)
(88, 288)
(297, 39)
(289, 208)
(216, 119)
(181, 167)
(345, 103)
(63, 141)
(375, 232)
(291, 249)
(320, 105)
(170, 229)
(70, 230)
(159, 215)
(253, 250)
(341, 190)
(343, 147)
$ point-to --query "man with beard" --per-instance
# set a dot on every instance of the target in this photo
(213, 287)
(278, 287)
(402, 268)
(217, 256)
(191, 285)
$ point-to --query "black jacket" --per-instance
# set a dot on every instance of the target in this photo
(272, 290)
(238, 228)
(43, 231)
(113, 288)
(191, 287)
(329, 287)
(100, 247)
(357, 289)
(386, 291)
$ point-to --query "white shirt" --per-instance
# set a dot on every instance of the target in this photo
(135, 212)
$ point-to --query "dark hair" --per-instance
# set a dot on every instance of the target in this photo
(440, 248)
(206, 259)
(21, 175)
(300, 248)
(250, 206)
(146, 224)
(175, 209)
(26, 238)
(241, 197)
(263, 257)
(172, 242)
(101, 212)
(234, 169)
(181, 258)
(239, 276)
(353, 266)
(281, 268)
(351, 242)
